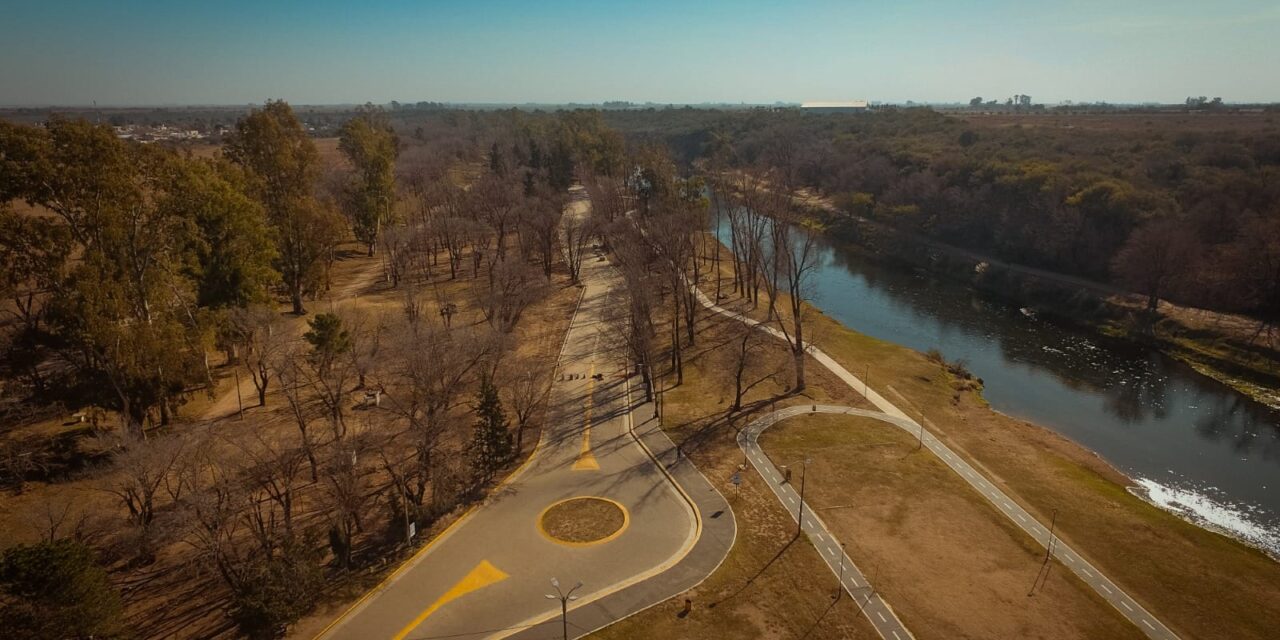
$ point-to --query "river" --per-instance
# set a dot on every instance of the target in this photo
(1190, 444)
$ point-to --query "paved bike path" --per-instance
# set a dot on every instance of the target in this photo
(1113, 594)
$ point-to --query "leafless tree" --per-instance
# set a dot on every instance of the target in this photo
(512, 286)
(272, 469)
(525, 383)
(578, 231)
(540, 227)
(294, 385)
(345, 492)
(795, 249)
(143, 469)
(262, 337)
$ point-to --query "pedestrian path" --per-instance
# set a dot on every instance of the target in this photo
(851, 578)
(1113, 594)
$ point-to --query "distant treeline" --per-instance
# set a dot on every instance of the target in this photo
(1175, 207)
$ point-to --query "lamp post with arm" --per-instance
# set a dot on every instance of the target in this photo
(565, 599)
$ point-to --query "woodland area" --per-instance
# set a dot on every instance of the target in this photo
(393, 304)
(394, 300)
(1180, 206)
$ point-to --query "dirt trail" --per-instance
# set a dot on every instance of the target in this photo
(361, 278)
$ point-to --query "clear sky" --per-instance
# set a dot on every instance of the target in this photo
(129, 52)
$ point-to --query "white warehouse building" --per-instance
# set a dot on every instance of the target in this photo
(849, 106)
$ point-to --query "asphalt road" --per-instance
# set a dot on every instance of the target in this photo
(487, 576)
(1113, 594)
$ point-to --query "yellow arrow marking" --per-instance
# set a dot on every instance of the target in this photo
(482, 576)
(586, 460)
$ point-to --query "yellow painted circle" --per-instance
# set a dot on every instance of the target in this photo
(552, 512)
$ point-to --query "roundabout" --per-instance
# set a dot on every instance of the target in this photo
(583, 521)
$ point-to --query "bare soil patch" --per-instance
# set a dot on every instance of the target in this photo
(582, 520)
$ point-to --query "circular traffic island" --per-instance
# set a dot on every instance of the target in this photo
(583, 521)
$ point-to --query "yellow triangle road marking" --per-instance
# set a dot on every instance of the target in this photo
(483, 575)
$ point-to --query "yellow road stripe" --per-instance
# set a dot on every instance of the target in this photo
(586, 460)
(482, 576)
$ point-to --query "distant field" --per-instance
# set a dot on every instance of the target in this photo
(1133, 122)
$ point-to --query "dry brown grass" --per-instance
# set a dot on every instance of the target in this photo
(582, 520)
(1200, 583)
(949, 563)
(771, 585)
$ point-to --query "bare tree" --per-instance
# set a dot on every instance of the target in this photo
(261, 337)
(294, 383)
(795, 249)
(143, 468)
(540, 225)
(512, 286)
(748, 343)
(526, 385)
(273, 467)
(578, 230)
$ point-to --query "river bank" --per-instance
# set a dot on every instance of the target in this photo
(1225, 347)
(1194, 578)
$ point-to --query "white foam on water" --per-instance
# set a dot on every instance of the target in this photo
(1200, 509)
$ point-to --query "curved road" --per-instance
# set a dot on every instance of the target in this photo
(1123, 602)
(487, 575)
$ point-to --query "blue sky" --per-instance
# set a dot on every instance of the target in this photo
(237, 51)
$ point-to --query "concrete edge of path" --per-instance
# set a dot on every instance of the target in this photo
(421, 553)
(717, 531)
(1128, 607)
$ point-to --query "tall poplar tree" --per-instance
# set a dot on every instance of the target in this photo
(369, 142)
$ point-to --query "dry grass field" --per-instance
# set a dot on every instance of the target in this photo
(946, 560)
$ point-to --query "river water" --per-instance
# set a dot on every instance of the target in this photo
(1191, 444)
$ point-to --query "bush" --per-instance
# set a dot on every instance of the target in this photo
(276, 593)
(56, 590)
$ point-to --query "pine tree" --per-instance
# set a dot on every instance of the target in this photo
(491, 445)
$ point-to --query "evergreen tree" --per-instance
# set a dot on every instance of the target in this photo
(56, 590)
(369, 142)
(491, 445)
(328, 339)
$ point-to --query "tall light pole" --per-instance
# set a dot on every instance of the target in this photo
(800, 516)
(565, 599)
(840, 580)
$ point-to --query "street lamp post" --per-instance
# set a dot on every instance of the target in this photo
(840, 580)
(565, 599)
(800, 516)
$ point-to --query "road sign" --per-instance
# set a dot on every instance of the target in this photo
(413, 530)
(736, 479)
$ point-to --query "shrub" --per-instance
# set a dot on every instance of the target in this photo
(277, 592)
(56, 590)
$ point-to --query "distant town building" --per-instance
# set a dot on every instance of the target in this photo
(850, 106)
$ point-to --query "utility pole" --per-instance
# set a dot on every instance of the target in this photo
(565, 599)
